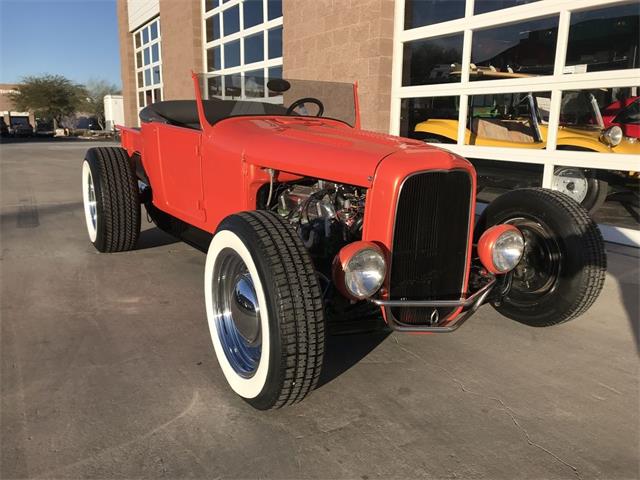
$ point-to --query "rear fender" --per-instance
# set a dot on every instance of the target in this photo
(130, 139)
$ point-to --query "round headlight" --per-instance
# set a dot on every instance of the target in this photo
(360, 269)
(507, 250)
(612, 136)
(500, 248)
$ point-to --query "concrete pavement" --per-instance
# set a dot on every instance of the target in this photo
(107, 370)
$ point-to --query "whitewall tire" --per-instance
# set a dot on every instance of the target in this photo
(264, 309)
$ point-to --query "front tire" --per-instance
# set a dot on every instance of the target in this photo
(563, 267)
(111, 200)
(265, 310)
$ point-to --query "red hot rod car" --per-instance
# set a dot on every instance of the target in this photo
(306, 217)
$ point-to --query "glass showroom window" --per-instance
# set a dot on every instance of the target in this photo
(576, 129)
(243, 44)
(148, 63)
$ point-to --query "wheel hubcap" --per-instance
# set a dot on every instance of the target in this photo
(538, 272)
(571, 182)
(237, 313)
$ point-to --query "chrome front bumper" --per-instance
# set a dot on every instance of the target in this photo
(469, 304)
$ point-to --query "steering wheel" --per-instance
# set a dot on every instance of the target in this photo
(302, 101)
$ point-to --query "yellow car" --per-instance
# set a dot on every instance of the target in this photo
(520, 124)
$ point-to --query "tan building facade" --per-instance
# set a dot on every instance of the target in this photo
(331, 40)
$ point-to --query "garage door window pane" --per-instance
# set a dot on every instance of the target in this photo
(418, 13)
(232, 54)
(137, 37)
(140, 80)
(275, 43)
(232, 86)
(141, 99)
(254, 83)
(139, 59)
(155, 55)
(588, 112)
(147, 57)
(604, 39)
(231, 20)
(252, 13)
(213, 28)
(154, 30)
(156, 75)
(214, 86)
(436, 60)
(254, 48)
(274, 72)
(147, 77)
(417, 116)
(213, 59)
(274, 9)
(145, 36)
(211, 4)
(522, 49)
(484, 6)
(511, 120)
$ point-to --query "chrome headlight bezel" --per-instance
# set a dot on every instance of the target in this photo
(612, 136)
(359, 270)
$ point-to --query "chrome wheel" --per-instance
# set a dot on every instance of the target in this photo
(90, 201)
(236, 313)
(93, 212)
(571, 182)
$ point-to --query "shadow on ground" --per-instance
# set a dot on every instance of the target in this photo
(154, 237)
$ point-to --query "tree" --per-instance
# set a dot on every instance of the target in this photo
(48, 96)
(94, 103)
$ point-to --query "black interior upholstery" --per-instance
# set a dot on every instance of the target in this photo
(184, 113)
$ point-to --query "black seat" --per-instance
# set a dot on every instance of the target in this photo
(184, 113)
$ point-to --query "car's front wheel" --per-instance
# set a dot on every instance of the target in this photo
(265, 310)
(562, 270)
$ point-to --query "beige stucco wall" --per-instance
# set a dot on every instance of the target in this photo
(342, 40)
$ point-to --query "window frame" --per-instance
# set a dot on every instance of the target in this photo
(153, 88)
(265, 64)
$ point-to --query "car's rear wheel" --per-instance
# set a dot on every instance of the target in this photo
(582, 186)
(265, 310)
(563, 267)
(111, 200)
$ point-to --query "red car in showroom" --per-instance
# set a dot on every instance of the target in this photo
(626, 115)
(305, 217)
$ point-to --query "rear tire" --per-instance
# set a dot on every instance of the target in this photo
(563, 268)
(111, 199)
(265, 310)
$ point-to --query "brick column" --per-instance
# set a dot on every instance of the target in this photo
(181, 26)
(127, 65)
(342, 41)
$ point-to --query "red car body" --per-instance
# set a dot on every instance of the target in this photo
(310, 221)
(202, 176)
(616, 114)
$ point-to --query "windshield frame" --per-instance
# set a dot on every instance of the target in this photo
(199, 80)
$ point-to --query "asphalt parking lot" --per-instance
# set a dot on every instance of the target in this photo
(107, 370)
